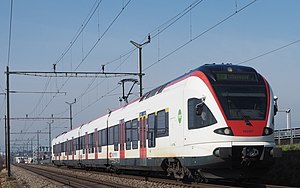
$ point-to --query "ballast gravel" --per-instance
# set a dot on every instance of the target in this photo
(23, 178)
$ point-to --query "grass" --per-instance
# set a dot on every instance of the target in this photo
(291, 147)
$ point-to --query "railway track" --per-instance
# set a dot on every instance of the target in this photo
(70, 179)
(82, 178)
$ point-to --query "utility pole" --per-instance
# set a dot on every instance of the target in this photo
(71, 119)
(49, 126)
(38, 147)
(288, 123)
(6, 161)
(8, 122)
(140, 46)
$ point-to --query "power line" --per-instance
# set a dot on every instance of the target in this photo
(161, 28)
(91, 104)
(176, 18)
(2, 89)
(169, 22)
(87, 89)
(104, 33)
(2, 105)
(79, 31)
(204, 32)
(42, 96)
(164, 27)
(93, 47)
(269, 52)
(38, 92)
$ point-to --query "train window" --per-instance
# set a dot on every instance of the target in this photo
(77, 144)
(66, 147)
(243, 102)
(104, 137)
(128, 135)
(70, 147)
(161, 88)
(199, 114)
(61, 147)
(110, 136)
(83, 144)
(134, 134)
(91, 143)
(151, 130)
(162, 123)
(116, 138)
(82, 140)
(54, 150)
(99, 141)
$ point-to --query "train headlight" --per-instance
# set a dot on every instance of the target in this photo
(267, 131)
(224, 131)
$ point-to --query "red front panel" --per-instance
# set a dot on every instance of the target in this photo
(238, 127)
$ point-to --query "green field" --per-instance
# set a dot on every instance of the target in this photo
(291, 147)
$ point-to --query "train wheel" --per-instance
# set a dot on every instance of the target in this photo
(199, 177)
(174, 167)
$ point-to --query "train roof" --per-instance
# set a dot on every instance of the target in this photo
(208, 70)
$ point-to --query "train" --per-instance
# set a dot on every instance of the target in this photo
(216, 121)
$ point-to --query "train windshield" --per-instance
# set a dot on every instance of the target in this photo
(243, 102)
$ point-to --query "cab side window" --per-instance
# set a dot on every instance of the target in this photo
(199, 115)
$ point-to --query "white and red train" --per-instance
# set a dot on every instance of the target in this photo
(216, 121)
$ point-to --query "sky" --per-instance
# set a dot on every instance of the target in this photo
(83, 35)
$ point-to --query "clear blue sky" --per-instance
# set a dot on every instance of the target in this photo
(41, 31)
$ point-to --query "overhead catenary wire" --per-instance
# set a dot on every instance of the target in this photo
(2, 90)
(199, 35)
(158, 29)
(269, 52)
(42, 96)
(161, 28)
(2, 105)
(173, 20)
(74, 39)
(80, 30)
(167, 23)
(104, 33)
(89, 52)
(93, 103)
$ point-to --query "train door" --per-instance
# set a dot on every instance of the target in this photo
(73, 140)
(78, 146)
(67, 149)
(177, 133)
(96, 143)
(86, 145)
(143, 135)
(122, 138)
